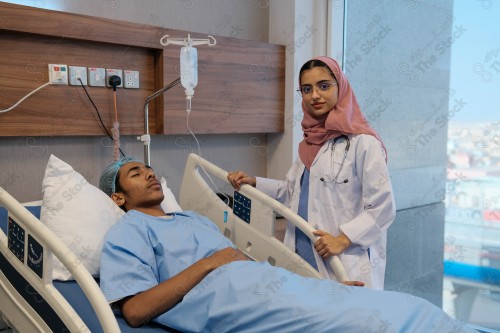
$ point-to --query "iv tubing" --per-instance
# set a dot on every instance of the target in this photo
(199, 155)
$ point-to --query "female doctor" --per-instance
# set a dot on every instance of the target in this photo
(340, 182)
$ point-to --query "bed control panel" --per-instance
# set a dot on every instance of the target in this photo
(242, 206)
(16, 239)
(35, 256)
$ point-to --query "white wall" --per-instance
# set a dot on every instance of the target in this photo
(301, 25)
(244, 19)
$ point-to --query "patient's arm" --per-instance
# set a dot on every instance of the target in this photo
(141, 308)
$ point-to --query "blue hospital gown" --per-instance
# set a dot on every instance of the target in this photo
(141, 251)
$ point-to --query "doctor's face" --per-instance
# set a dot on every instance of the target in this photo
(319, 91)
(137, 187)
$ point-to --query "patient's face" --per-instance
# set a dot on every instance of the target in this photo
(139, 185)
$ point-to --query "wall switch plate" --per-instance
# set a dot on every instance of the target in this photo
(111, 72)
(131, 79)
(58, 74)
(75, 73)
(96, 77)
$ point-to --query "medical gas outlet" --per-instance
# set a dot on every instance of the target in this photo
(58, 74)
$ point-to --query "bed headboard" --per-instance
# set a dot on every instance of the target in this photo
(240, 86)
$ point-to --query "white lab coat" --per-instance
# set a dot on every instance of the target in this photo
(362, 208)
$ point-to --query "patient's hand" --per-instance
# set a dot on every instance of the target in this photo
(354, 283)
(225, 256)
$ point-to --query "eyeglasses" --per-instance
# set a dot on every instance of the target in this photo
(321, 87)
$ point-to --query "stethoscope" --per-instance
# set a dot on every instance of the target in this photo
(332, 149)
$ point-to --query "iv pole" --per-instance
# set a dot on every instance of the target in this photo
(146, 138)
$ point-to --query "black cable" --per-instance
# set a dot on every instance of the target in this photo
(98, 114)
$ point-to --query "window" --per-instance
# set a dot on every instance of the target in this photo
(427, 76)
(472, 223)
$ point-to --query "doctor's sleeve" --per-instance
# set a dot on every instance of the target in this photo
(280, 190)
(379, 209)
(127, 266)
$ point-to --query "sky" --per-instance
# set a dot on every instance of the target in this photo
(475, 61)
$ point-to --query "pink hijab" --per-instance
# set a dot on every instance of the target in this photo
(345, 118)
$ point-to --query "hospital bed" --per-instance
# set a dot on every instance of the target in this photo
(32, 302)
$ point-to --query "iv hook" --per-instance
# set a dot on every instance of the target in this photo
(211, 41)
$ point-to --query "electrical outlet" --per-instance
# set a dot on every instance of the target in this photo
(131, 79)
(58, 74)
(117, 72)
(75, 73)
(97, 77)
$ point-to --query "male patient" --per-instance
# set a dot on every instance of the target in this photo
(180, 271)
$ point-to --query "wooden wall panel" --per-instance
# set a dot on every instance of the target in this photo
(63, 109)
(240, 86)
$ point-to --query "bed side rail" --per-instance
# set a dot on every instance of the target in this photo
(250, 225)
(31, 232)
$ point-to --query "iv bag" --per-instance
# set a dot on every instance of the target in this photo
(189, 69)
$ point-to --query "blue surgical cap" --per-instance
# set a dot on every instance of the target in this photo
(108, 178)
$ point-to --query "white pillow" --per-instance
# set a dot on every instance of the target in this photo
(80, 214)
(169, 204)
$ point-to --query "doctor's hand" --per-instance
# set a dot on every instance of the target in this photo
(238, 178)
(329, 245)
